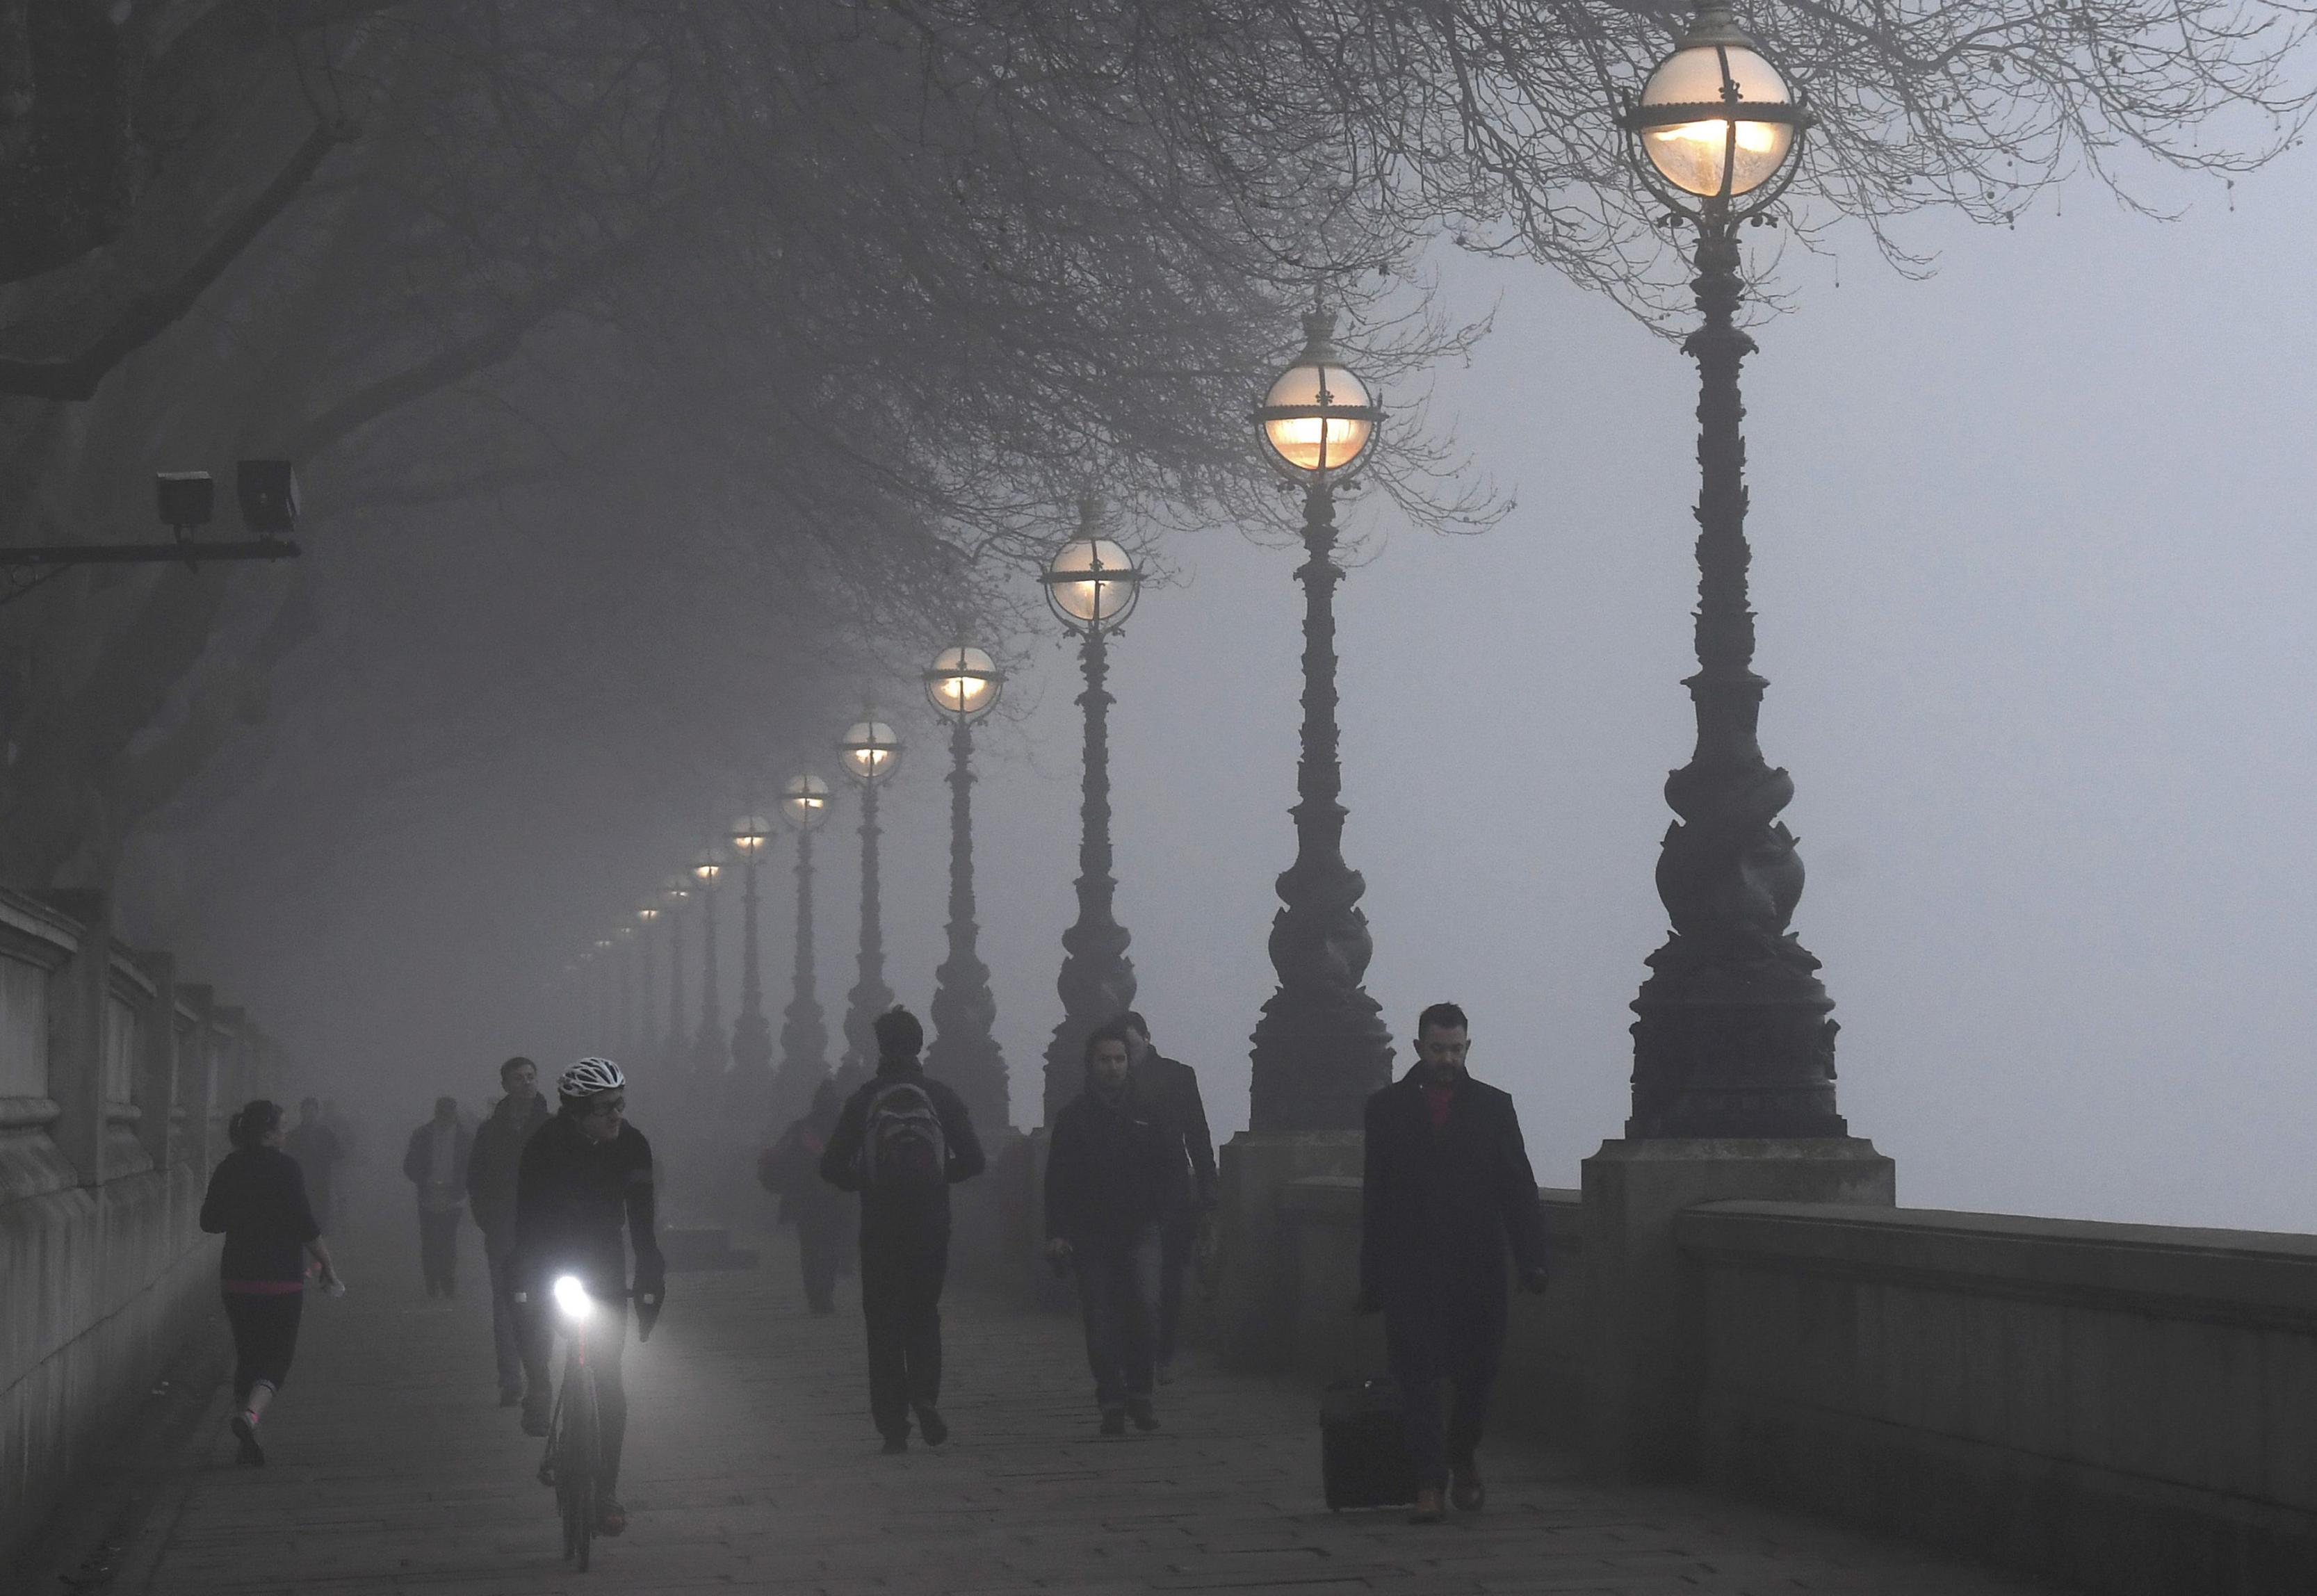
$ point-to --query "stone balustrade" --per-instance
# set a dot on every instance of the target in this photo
(115, 1084)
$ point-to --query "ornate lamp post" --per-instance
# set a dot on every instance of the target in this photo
(869, 753)
(1321, 1046)
(963, 687)
(626, 1032)
(646, 1036)
(606, 995)
(711, 1053)
(1091, 584)
(1734, 1038)
(804, 1034)
(752, 1038)
(675, 1052)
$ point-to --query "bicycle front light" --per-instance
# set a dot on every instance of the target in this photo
(571, 1296)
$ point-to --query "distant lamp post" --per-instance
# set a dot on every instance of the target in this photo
(711, 1053)
(646, 1036)
(1321, 1046)
(675, 1052)
(804, 1033)
(607, 1023)
(869, 753)
(752, 1037)
(963, 687)
(1734, 1036)
(1091, 584)
(626, 1030)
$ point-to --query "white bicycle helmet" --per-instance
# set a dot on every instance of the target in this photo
(589, 1076)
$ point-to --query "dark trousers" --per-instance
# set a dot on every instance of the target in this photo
(508, 1328)
(1177, 1239)
(1459, 1340)
(901, 1277)
(820, 1252)
(1118, 1292)
(265, 1338)
(438, 1250)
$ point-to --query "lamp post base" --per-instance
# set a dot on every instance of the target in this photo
(1645, 1343)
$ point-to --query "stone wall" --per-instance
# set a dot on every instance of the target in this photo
(115, 1083)
(2127, 1409)
(2130, 1408)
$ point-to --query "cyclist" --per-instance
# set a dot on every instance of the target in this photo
(583, 1176)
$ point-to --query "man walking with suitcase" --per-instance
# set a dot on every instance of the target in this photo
(901, 1141)
(1448, 1191)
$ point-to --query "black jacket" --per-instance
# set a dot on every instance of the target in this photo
(840, 1160)
(572, 1200)
(495, 1156)
(419, 1154)
(1440, 1208)
(1114, 1165)
(256, 1199)
(1172, 1089)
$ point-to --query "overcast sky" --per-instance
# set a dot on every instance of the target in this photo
(2034, 571)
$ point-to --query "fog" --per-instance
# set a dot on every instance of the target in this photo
(2033, 572)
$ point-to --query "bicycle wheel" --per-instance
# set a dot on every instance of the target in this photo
(575, 1460)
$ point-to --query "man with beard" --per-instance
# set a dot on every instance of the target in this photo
(491, 1166)
(1448, 1190)
(1111, 1161)
(1172, 1091)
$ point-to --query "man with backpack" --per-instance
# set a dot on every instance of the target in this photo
(901, 1141)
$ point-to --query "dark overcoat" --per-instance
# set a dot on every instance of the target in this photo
(1441, 1209)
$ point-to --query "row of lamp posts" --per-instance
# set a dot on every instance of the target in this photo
(1734, 1036)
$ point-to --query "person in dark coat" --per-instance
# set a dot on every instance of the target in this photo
(901, 1141)
(256, 1199)
(492, 1160)
(790, 1169)
(315, 1146)
(1172, 1089)
(435, 1162)
(1110, 1172)
(1448, 1192)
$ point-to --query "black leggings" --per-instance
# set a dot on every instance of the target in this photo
(265, 1338)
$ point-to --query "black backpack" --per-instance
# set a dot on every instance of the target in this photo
(903, 1151)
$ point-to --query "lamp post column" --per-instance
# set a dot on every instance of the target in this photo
(675, 1049)
(752, 1037)
(869, 997)
(1320, 1047)
(647, 1024)
(1734, 1036)
(965, 1053)
(1097, 979)
(804, 1033)
(709, 1052)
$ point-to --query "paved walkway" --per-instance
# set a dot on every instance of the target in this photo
(751, 1465)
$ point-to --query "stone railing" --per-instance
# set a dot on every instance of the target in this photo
(115, 1084)
(2122, 1408)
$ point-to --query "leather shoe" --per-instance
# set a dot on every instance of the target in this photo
(1429, 1509)
(1113, 1421)
(931, 1425)
(536, 1416)
(1145, 1417)
(1466, 1491)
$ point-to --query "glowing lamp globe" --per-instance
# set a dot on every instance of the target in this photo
(1717, 121)
(804, 803)
(963, 683)
(707, 864)
(1318, 417)
(750, 833)
(869, 752)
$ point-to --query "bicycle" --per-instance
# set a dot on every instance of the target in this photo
(573, 1459)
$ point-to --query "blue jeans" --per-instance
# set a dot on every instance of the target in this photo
(1118, 1291)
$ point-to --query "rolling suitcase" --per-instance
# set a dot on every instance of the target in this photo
(1363, 1458)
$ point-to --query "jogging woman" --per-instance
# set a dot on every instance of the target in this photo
(257, 1200)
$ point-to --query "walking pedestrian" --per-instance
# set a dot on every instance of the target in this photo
(1107, 1173)
(902, 1140)
(256, 1199)
(496, 1154)
(1172, 1089)
(315, 1145)
(435, 1162)
(1448, 1190)
(790, 1169)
